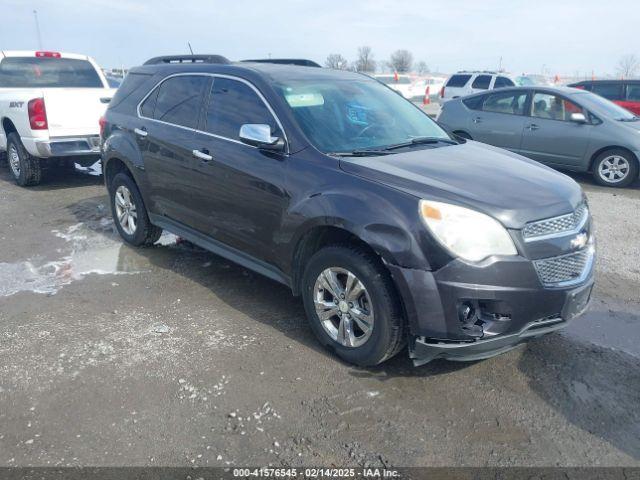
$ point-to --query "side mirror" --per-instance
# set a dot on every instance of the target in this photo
(578, 118)
(259, 135)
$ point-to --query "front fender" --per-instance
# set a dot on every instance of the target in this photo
(386, 220)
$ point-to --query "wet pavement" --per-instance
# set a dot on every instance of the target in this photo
(170, 355)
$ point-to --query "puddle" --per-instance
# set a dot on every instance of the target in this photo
(87, 252)
(94, 170)
(611, 324)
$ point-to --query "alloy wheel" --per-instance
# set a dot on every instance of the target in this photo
(343, 306)
(614, 169)
(14, 160)
(126, 212)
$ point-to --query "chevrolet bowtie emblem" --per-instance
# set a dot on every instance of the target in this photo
(580, 240)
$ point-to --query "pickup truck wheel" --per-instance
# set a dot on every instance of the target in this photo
(352, 305)
(129, 213)
(615, 168)
(25, 168)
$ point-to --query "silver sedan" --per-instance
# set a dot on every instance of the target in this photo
(562, 127)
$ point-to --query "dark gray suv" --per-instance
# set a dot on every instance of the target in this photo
(392, 231)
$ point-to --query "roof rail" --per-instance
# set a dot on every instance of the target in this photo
(302, 62)
(478, 71)
(187, 59)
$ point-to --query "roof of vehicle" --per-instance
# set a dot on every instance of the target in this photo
(269, 71)
(32, 53)
(610, 81)
(542, 88)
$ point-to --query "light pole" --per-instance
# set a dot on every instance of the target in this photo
(35, 16)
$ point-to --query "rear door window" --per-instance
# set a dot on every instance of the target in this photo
(48, 72)
(503, 82)
(482, 82)
(610, 91)
(179, 99)
(633, 92)
(458, 80)
(232, 104)
(507, 102)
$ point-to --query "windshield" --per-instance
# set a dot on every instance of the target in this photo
(348, 115)
(605, 107)
(45, 72)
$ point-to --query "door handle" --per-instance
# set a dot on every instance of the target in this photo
(202, 155)
(477, 120)
(533, 126)
(142, 132)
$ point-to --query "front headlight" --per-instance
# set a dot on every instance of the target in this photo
(466, 233)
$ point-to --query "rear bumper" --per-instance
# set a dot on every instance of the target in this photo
(64, 146)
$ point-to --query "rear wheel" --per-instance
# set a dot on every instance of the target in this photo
(352, 305)
(25, 168)
(130, 214)
(615, 168)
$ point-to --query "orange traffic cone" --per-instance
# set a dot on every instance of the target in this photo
(427, 96)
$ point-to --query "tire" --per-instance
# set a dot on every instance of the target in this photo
(624, 163)
(126, 200)
(24, 167)
(387, 335)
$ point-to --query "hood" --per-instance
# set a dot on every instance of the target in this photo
(507, 186)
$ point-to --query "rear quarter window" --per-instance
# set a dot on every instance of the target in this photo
(130, 85)
(458, 80)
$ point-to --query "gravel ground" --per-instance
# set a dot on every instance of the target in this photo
(173, 356)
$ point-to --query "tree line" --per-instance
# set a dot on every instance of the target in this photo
(400, 61)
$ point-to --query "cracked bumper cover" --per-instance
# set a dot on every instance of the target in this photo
(517, 307)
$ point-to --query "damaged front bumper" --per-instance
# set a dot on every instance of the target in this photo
(509, 305)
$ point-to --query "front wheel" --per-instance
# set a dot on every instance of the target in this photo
(615, 168)
(352, 305)
(130, 214)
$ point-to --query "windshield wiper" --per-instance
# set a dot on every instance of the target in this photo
(419, 141)
(361, 153)
(632, 119)
(386, 150)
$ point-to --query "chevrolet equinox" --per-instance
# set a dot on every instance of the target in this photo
(393, 231)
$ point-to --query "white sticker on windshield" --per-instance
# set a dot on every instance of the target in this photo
(296, 100)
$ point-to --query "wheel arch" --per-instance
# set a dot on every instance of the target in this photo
(8, 126)
(600, 151)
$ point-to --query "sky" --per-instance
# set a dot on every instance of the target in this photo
(569, 37)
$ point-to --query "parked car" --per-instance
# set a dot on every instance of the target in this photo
(50, 103)
(391, 230)
(400, 83)
(625, 93)
(466, 83)
(562, 127)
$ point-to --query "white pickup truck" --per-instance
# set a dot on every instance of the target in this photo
(50, 107)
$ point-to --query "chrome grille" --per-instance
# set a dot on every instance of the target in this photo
(557, 225)
(566, 269)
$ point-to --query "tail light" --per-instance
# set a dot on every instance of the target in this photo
(442, 92)
(37, 114)
(48, 54)
(103, 123)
